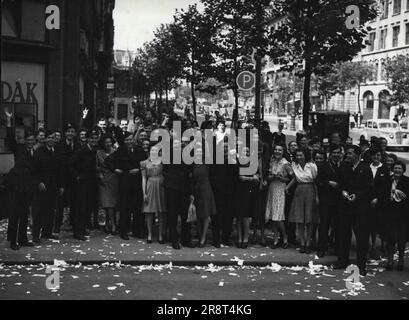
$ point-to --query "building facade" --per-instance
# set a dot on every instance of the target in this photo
(388, 38)
(49, 75)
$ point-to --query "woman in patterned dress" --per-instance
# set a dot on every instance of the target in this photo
(154, 192)
(108, 184)
(280, 173)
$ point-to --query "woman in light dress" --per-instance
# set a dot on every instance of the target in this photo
(280, 173)
(154, 192)
(304, 207)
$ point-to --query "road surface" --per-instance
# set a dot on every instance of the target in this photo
(201, 283)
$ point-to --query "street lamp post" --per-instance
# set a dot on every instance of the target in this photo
(292, 124)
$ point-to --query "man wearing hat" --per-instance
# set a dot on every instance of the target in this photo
(126, 163)
(85, 172)
(48, 179)
(67, 149)
(19, 183)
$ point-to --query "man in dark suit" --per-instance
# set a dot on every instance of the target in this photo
(380, 177)
(126, 163)
(179, 189)
(223, 178)
(357, 189)
(67, 149)
(328, 189)
(85, 171)
(19, 184)
(48, 179)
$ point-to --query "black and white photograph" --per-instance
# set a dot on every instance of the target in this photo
(206, 155)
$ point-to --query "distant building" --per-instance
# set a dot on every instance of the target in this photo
(389, 37)
(123, 59)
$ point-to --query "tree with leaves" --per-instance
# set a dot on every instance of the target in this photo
(240, 38)
(192, 33)
(397, 70)
(315, 34)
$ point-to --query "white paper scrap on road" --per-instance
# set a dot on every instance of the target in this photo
(60, 263)
(240, 262)
(111, 288)
(221, 284)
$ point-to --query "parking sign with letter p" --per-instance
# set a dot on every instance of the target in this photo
(246, 80)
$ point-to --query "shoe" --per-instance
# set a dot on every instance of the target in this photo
(125, 237)
(80, 238)
(162, 241)
(216, 245)
(202, 245)
(285, 245)
(149, 241)
(400, 266)
(339, 266)
(321, 254)
(302, 249)
(362, 272)
(50, 237)
(389, 267)
(176, 246)
(308, 250)
(245, 245)
(188, 244)
(87, 234)
(27, 244)
(239, 245)
(227, 242)
(36, 240)
(14, 246)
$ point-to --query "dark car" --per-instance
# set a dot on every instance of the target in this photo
(323, 123)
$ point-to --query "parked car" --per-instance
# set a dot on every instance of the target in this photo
(388, 129)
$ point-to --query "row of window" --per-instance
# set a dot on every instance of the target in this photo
(383, 35)
(396, 7)
(23, 19)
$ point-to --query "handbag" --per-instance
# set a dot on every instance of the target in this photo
(191, 214)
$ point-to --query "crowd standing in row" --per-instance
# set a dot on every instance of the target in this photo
(305, 189)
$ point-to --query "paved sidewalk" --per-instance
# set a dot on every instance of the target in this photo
(102, 248)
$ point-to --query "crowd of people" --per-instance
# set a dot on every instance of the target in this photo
(313, 193)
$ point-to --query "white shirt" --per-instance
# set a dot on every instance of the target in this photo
(306, 175)
(374, 169)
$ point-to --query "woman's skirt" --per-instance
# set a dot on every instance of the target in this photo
(304, 207)
(276, 201)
